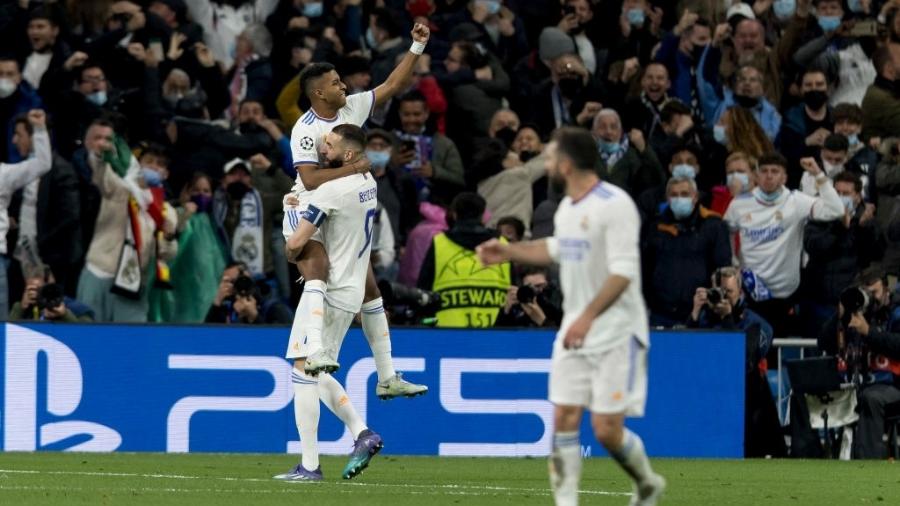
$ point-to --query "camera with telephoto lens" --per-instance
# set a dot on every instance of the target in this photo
(714, 296)
(408, 305)
(50, 296)
(525, 294)
(854, 300)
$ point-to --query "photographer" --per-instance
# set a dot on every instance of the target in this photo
(240, 300)
(536, 303)
(862, 336)
(43, 299)
(724, 307)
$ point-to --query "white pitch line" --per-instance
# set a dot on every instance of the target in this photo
(447, 488)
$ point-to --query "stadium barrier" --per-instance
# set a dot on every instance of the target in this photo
(149, 388)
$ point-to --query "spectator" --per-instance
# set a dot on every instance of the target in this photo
(174, 14)
(848, 121)
(770, 222)
(578, 22)
(881, 104)
(50, 55)
(74, 110)
(240, 300)
(681, 52)
(418, 243)
(428, 157)
(241, 219)
(223, 21)
(570, 97)
(16, 97)
(731, 312)
(116, 278)
(511, 228)
(509, 192)
(642, 112)
(888, 185)
(632, 32)
(14, 176)
(652, 201)
(746, 93)
(471, 296)
(737, 130)
(385, 38)
(740, 178)
(838, 252)
(680, 250)
(625, 161)
(43, 299)
(680, 130)
(251, 76)
(748, 49)
(49, 213)
(540, 305)
(398, 200)
(806, 125)
(833, 157)
(880, 356)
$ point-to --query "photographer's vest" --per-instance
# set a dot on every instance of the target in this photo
(471, 294)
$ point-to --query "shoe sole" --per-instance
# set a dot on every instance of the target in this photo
(408, 396)
(356, 471)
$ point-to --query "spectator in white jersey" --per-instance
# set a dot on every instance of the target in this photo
(770, 222)
(599, 356)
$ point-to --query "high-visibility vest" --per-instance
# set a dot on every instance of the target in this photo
(471, 294)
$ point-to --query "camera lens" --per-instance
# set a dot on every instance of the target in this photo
(525, 294)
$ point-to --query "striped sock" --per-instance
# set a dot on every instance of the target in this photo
(632, 457)
(375, 326)
(335, 397)
(313, 305)
(306, 415)
(565, 468)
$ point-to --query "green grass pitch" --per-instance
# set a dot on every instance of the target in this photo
(223, 479)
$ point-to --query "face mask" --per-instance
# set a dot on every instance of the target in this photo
(815, 99)
(237, 190)
(204, 202)
(312, 10)
(379, 159)
(697, 52)
(746, 102)
(570, 87)
(607, 147)
(853, 139)
(97, 98)
(719, 134)
(831, 170)
(769, 197)
(681, 207)
(7, 87)
(683, 170)
(848, 202)
(738, 176)
(635, 17)
(855, 5)
(370, 38)
(151, 177)
(525, 156)
(829, 23)
(492, 6)
(784, 9)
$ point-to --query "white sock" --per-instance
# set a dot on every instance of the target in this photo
(375, 326)
(335, 397)
(306, 414)
(632, 457)
(565, 468)
(312, 304)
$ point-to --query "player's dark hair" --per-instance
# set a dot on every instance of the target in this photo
(312, 72)
(352, 135)
(515, 223)
(836, 142)
(578, 145)
(849, 177)
(467, 206)
(773, 158)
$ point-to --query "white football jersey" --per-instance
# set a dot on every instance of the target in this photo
(344, 211)
(595, 237)
(309, 132)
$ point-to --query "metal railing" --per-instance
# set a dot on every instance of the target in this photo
(788, 342)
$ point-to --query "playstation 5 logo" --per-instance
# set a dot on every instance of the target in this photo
(24, 350)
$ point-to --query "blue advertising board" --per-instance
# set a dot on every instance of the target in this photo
(227, 389)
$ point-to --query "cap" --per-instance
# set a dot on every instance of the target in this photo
(235, 163)
(739, 9)
(554, 43)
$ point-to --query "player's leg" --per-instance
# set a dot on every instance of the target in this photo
(565, 457)
(306, 415)
(570, 394)
(375, 326)
(313, 265)
(619, 389)
(367, 442)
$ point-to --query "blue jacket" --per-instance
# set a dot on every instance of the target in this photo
(28, 99)
(749, 319)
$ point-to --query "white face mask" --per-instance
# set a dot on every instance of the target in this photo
(7, 87)
(832, 170)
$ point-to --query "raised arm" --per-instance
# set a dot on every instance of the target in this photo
(401, 77)
(17, 175)
(313, 175)
(495, 251)
(827, 206)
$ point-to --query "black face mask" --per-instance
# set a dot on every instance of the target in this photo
(506, 135)
(527, 155)
(570, 87)
(697, 52)
(815, 99)
(746, 102)
(237, 190)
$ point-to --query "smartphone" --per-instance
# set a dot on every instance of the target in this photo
(157, 49)
(409, 145)
(867, 28)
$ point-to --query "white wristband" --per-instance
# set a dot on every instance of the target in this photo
(417, 47)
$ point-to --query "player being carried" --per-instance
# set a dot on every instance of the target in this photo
(329, 107)
(599, 359)
(341, 211)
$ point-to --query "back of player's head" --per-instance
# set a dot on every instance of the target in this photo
(312, 73)
(578, 145)
(467, 206)
(352, 136)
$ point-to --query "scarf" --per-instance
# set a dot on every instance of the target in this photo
(247, 244)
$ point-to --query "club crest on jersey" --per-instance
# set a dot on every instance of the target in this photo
(307, 143)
